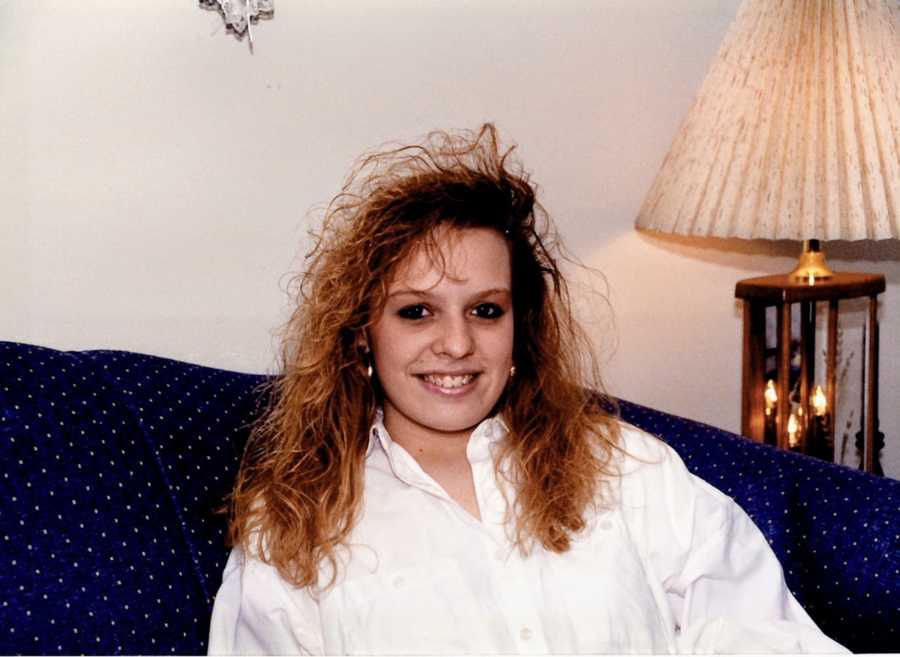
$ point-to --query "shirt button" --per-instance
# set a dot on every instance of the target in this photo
(525, 634)
(398, 582)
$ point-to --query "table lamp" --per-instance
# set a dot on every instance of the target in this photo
(795, 134)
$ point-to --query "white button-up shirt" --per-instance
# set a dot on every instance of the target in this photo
(667, 564)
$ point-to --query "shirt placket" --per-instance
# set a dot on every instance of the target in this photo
(512, 578)
(512, 583)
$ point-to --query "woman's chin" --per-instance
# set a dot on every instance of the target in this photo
(438, 418)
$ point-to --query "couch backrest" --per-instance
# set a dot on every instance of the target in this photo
(114, 464)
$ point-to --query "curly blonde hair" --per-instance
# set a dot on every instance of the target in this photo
(300, 484)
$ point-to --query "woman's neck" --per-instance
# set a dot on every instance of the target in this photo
(424, 442)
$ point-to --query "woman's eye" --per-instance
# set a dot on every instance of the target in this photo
(417, 311)
(488, 311)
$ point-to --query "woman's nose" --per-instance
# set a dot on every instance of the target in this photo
(454, 338)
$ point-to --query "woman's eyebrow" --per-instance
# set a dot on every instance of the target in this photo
(427, 293)
(495, 290)
(409, 292)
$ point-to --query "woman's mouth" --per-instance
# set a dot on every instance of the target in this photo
(448, 382)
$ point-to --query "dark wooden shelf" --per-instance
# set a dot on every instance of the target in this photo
(784, 288)
(781, 291)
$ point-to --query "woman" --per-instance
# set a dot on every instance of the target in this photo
(432, 476)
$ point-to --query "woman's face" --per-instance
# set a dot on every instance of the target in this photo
(443, 345)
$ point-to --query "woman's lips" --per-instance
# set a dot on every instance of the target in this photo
(449, 380)
(448, 384)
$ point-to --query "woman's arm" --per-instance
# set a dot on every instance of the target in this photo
(722, 581)
(257, 612)
(735, 598)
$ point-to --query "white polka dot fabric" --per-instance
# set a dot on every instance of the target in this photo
(113, 464)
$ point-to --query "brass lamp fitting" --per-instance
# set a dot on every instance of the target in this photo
(812, 263)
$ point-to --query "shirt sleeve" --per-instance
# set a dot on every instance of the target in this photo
(722, 581)
(257, 613)
(735, 598)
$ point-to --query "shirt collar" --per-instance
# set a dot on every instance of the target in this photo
(487, 432)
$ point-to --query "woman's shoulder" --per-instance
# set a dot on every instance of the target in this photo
(643, 461)
(635, 447)
(653, 484)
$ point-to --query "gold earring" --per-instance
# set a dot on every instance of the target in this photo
(366, 355)
(369, 368)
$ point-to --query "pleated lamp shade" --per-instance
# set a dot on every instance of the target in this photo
(795, 133)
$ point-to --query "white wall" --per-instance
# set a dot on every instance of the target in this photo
(156, 179)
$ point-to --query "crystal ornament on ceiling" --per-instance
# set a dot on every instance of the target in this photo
(239, 15)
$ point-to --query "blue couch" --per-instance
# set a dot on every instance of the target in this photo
(114, 464)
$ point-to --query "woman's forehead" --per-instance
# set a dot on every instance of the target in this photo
(476, 255)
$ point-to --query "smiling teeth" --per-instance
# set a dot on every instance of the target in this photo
(449, 381)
